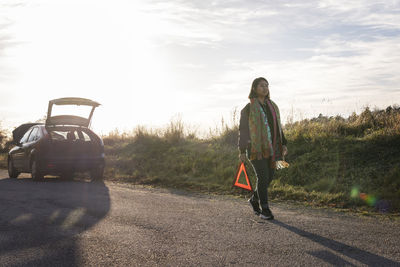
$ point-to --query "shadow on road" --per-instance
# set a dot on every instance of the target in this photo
(40, 222)
(360, 255)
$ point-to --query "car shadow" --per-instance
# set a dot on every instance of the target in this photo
(357, 254)
(41, 222)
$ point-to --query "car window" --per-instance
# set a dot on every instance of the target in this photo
(38, 134)
(32, 136)
(58, 135)
(24, 138)
(71, 135)
(86, 137)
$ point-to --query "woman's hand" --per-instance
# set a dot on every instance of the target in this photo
(284, 150)
(242, 157)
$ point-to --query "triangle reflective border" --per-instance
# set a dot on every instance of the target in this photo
(241, 169)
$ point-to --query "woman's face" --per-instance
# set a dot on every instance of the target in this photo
(262, 89)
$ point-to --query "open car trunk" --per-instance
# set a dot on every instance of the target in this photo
(66, 119)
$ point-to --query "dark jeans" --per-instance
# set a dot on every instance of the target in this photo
(264, 174)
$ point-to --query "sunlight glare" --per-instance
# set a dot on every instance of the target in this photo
(96, 50)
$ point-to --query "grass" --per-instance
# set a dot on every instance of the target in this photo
(356, 155)
(339, 162)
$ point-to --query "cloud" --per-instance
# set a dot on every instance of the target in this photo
(375, 14)
(319, 56)
(7, 40)
(208, 23)
(367, 74)
(346, 52)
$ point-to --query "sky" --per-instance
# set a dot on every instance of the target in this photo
(149, 62)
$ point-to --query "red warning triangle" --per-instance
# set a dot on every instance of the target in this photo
(241, 169)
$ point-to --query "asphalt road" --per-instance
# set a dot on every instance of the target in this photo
(78, 223)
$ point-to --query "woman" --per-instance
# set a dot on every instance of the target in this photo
(260, 133)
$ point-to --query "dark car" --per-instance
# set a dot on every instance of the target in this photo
(61, 146)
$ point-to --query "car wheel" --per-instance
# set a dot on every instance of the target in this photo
(12, 172)
(35, 171)
(96, 174)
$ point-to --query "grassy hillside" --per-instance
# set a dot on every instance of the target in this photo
(341, 162)
(335, 161)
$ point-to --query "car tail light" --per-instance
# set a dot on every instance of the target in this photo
(51, 166)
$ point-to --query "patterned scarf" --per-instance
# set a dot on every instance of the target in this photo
(260, 132)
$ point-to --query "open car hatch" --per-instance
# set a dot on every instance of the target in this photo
(70, 119)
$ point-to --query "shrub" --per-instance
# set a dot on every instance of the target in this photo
(329, 157)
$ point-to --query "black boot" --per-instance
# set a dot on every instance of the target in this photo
(266, 213)
(256, 207)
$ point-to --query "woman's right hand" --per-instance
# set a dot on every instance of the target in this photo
(242, 157)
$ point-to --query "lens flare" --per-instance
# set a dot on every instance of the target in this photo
(372, 201)
(382, 206)
(354, 192)
(363, 196)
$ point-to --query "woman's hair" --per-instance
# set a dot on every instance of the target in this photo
(254, 85)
